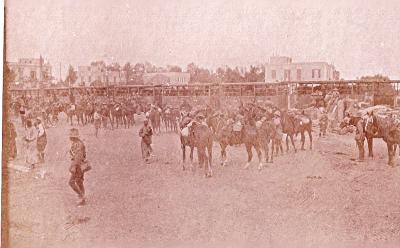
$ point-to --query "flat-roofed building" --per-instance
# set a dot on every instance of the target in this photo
(283, 69)
(163, 78)
(31, 70)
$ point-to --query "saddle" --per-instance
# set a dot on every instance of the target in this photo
(237, 126)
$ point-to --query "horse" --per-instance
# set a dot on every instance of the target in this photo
(155, 118)
(388, 130)
(186, 140)
(265, 135)
(289, 128)
(304, 124)
(202, 139)
(247, 135)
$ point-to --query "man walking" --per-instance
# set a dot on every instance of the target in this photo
(78, 157)
(146, 133)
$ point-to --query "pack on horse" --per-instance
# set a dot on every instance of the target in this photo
(239, 132)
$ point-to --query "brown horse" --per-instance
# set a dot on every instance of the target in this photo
(265, 135)
(199, 136)
(289, 128)
(247, 136)
(304, 124)
(203, 140)
(387, 129)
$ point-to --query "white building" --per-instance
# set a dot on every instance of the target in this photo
(97, 72)
(171, 78)
(31, 70)
(282, 69)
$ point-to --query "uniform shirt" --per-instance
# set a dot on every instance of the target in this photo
(96, 116)
(146, 132)
(78, 151)
(41, 130)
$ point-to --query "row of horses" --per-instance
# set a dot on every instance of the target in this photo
(259, 132)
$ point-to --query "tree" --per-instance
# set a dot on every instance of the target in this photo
(128, 72)
(255, 74)
(9, 75)
(71, 76)
(174, 68)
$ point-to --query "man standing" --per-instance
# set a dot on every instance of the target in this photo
(97, 121)
(78, 157)
(323, 123)
(41, 139)
(146, 133)
(360, 137)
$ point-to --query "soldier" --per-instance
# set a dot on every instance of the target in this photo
(78, 157)
(146, 133)
(41, 139)
(323, 123)
(360, 137)
(97, 120)
(279, 132)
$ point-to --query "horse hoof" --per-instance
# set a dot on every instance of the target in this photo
(246, 166)
(260, 166)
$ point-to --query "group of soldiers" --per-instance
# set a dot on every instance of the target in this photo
(100, 111)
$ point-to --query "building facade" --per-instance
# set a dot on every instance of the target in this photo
(282, 69)
(99, 74)
(163, 78)
(31, 70)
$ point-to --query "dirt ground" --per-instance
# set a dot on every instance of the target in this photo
(318, 198)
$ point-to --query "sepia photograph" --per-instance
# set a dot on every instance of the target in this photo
(201, 123)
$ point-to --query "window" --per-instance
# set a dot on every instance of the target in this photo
(273, 74)
(298, 77)
(286, 75)
(316, 73)
(33, 74)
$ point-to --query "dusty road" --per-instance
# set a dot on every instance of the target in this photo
(317, 198)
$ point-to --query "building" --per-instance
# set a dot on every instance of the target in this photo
(283, 69)
(170, 78)
(28, 70)
(98, 73)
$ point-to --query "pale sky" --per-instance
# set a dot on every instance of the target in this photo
(359, 37)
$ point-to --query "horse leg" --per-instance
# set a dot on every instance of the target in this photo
(310, 136)
(294, 146)
(287, 142)
(249, 155)
(183, 155)
(209, 151)
(191, 155)
(370, 147)
(390, 153)
(223, 154)
(303, 139)
(272, 148)
(259, 154)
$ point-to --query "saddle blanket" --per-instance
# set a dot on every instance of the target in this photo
(237, 127)
(304, 120)
(185, 132)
